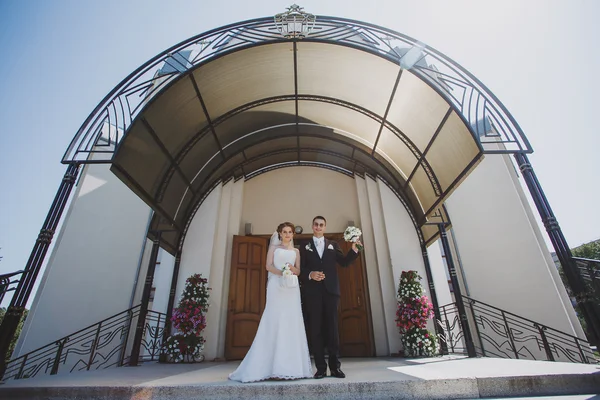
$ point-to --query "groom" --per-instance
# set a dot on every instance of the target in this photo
(322, 295)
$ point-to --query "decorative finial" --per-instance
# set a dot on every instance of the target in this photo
(295, 23)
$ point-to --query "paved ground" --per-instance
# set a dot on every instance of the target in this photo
(440, 377)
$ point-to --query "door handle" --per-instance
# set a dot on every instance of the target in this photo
(358, 300)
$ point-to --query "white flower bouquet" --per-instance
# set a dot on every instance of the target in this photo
(352, 234)
(286, 271)
(288, 279)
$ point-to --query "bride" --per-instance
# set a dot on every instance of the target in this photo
(280, 348)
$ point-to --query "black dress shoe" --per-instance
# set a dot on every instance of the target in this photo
(337, 373)
(320, 375)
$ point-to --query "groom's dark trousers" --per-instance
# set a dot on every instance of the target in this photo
(322, 299)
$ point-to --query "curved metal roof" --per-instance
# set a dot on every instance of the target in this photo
(334, 100)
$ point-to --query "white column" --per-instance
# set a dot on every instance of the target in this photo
(386, 276)
(378, 316)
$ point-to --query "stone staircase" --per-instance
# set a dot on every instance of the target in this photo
(374, 378)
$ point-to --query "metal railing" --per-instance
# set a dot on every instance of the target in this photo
(105, 127)
(101, 345)
(589, 270)
(502, 334)
(8, 283)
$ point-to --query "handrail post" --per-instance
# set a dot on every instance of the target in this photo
(471, 304)
(94, 344)
(141, 322)
(20, 374)
(509, 334)
(584, 358)
(541, 329)
(126, 338)
(433, 294)
(61, 345)
(462, 313)
(167, 331)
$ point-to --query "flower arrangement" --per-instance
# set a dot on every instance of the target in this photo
(352, 234)
(189, 320)
(286, 271)
(419, 341)
(414, 310)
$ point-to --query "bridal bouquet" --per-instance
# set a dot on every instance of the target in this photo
(352, 234)
(288, 279)
(286, 271)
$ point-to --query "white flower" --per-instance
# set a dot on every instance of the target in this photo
(352, 234)
(286, 271)
(308, 247)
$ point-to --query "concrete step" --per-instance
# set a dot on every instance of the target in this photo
(571, 397)
(439, 378)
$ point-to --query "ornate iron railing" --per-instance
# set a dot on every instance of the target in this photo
(478, 106)
(502, 334)
(8, 283)
(99, 346)
(589, 270)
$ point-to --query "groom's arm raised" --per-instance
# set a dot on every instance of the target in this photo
(346, 260)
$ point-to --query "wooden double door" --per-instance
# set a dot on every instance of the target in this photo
(247, 296)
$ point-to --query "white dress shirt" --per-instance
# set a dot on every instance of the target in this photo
(320, 245)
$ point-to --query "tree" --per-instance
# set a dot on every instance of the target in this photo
(13, 343)
(589, 250)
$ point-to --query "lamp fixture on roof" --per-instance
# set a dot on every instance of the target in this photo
(295, 23)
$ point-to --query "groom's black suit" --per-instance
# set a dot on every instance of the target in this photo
(322, 299)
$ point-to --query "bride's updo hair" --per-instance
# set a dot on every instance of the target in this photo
(283, 225)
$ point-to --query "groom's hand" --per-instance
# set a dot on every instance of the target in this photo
(355, 246)
(317, 276)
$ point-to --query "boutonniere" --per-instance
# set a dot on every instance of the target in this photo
(308, 247)
(330, 247)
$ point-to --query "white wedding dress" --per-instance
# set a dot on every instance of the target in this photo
(280, 348)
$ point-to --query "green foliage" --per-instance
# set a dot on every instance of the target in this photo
(589, 250)
(13, 343)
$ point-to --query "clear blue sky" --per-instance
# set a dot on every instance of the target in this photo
(59, 59)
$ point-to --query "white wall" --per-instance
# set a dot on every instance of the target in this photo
(439, 272)
(297, 195)
(162, 281)
(93, 266)
(504, 258)
(196, 254)
(404, 246)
